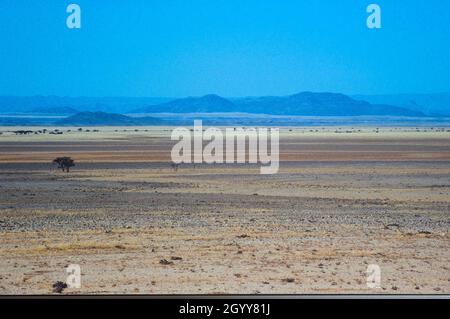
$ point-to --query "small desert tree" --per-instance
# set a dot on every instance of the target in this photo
(64, 163)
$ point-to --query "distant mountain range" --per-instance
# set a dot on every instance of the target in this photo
(305, 104)
(107, 119)
(54, 110)
(29, 104)
(437, 104)
(301, 104)
(205, 104)
(320, 104)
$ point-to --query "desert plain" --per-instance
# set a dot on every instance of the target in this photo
(343, 199)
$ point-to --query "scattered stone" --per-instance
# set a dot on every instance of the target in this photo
(288, 280)
(175, 258)
(243, 236)
(388, 226)
(59, 286)
(165, 262)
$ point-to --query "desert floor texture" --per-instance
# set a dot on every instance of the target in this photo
(343, 199)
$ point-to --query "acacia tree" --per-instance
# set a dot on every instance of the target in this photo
(64, 163)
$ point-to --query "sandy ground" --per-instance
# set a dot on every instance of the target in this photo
(340, 202)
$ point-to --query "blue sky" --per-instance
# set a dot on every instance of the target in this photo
(228, 47)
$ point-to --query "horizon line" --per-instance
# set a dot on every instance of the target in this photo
(223, 96)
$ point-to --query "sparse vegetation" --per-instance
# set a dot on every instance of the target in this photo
(64, 163)
(23, 132)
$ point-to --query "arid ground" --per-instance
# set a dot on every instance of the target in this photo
(343, 199)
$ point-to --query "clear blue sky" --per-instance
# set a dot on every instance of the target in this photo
(229, 47)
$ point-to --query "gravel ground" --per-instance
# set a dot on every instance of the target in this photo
(312, 228)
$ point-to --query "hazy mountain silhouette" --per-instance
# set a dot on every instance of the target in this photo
(210, 103)
(54, 110)
(26, 104)
(102, 118)
(305, 103)
(437, 104)
(319, 104)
